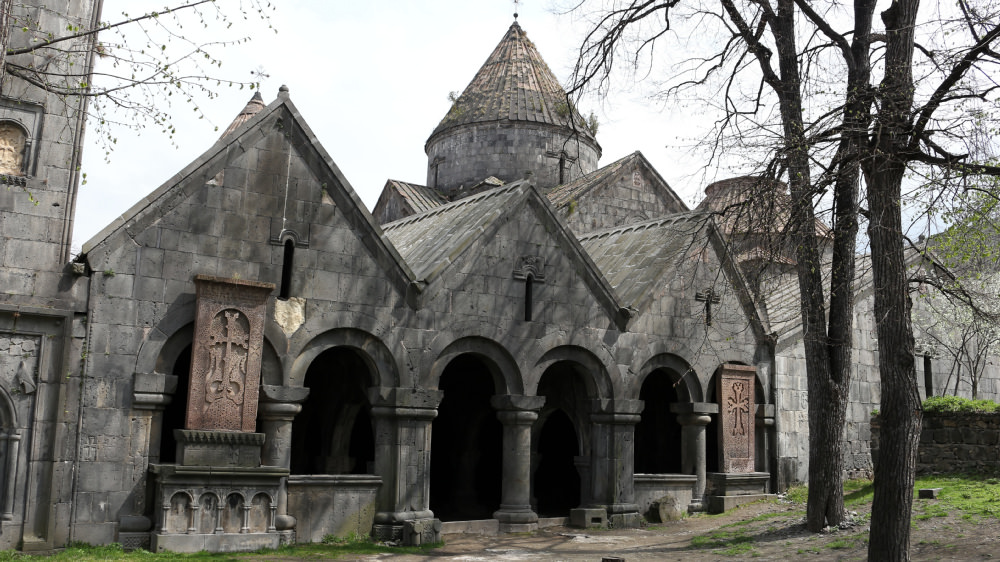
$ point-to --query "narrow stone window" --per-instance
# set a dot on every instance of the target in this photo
(528, 297)
(562, 168)
(286, 270)
(928, 376)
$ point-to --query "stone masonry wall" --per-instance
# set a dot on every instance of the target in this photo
(954, 442)
(469, 154)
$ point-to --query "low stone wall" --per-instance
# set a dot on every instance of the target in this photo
(952, 442)
(651, 489)
(338, 505)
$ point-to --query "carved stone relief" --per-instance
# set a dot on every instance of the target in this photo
(12, 141)
(226, 355)
(735, 389)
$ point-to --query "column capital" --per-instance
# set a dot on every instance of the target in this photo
(624, 412)
(517, 403)
(698, 408)
(283, 394)
(404, 398)
(153, 391)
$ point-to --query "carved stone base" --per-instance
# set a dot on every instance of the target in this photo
(421, 531)
(215, 508)
(727, 490)
(224, 542)
(388, 533)
(586, 517)
(197, 447)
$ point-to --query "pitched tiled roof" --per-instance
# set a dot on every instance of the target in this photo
(514, 84)
(561, 195)
(633, 258)
(430, 241)
(252, 108)
(420, 198)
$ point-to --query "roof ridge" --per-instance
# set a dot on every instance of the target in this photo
(416, 217)
(650, 223)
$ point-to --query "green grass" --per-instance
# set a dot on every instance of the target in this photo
(973, 495)
(334, 548)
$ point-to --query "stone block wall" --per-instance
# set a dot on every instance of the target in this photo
(466, 155)
(954, 442)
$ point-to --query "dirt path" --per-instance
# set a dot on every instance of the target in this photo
(766, 531)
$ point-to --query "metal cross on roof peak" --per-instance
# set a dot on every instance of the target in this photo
(515, 9)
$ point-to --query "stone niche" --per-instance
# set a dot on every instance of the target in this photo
(218, 497)
(737, 483)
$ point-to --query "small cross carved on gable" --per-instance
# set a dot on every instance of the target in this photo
(530, 266)
(709, 297)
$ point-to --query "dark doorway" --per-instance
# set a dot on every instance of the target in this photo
(174, 413)
(557, 482)
(658, 434)
(557, 442)
(333, 432)
(466, 444)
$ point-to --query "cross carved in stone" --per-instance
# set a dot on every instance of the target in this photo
(709, 297)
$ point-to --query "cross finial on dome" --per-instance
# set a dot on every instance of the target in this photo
(515, 9)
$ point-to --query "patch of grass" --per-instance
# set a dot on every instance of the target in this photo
(808, 551)
(931, 511)
(957, 404)
(797, 494)
(724, 539)
(838, 544)
(857, 492)
(973, 495)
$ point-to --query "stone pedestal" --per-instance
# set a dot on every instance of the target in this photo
(694, 417)
(612, 460)
(517, 414)
(728, 490)
(218, 497)
(403, 419)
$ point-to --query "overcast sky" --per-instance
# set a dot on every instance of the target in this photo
(372, 81)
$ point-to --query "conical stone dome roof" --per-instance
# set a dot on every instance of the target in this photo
(512, 120)
(514, 84)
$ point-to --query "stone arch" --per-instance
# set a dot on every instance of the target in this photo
(8, 413)
(232, 512)
(179, 513)
(208, 506)
(500, 363)
(682, 374)
(334, 432)
(378, 358)
(597, 379)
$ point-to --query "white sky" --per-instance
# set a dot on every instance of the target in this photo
(372, 79)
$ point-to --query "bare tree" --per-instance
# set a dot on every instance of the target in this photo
(145, 61)
(867, 122)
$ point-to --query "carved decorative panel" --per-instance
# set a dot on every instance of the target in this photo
(735, 389)
(226, 355)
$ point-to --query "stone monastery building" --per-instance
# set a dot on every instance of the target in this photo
(249, 356)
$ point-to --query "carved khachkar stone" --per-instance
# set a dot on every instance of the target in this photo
(226, 355)
(735, 389)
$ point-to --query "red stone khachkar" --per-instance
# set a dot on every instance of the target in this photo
(226, 354)
(735, 389)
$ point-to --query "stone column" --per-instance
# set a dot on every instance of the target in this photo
(517, 414)
(694, 417)
(403, 419)
(151, 394)
(278, 407)
(612, 459)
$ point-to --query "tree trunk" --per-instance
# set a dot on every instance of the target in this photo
(900, 410)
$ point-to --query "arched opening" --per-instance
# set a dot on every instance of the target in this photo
(559, 439)
(174, 413)
(287, 263)
(557, 482)
(712, 461)
(466, 444)
(333, 433)
(658, 434)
